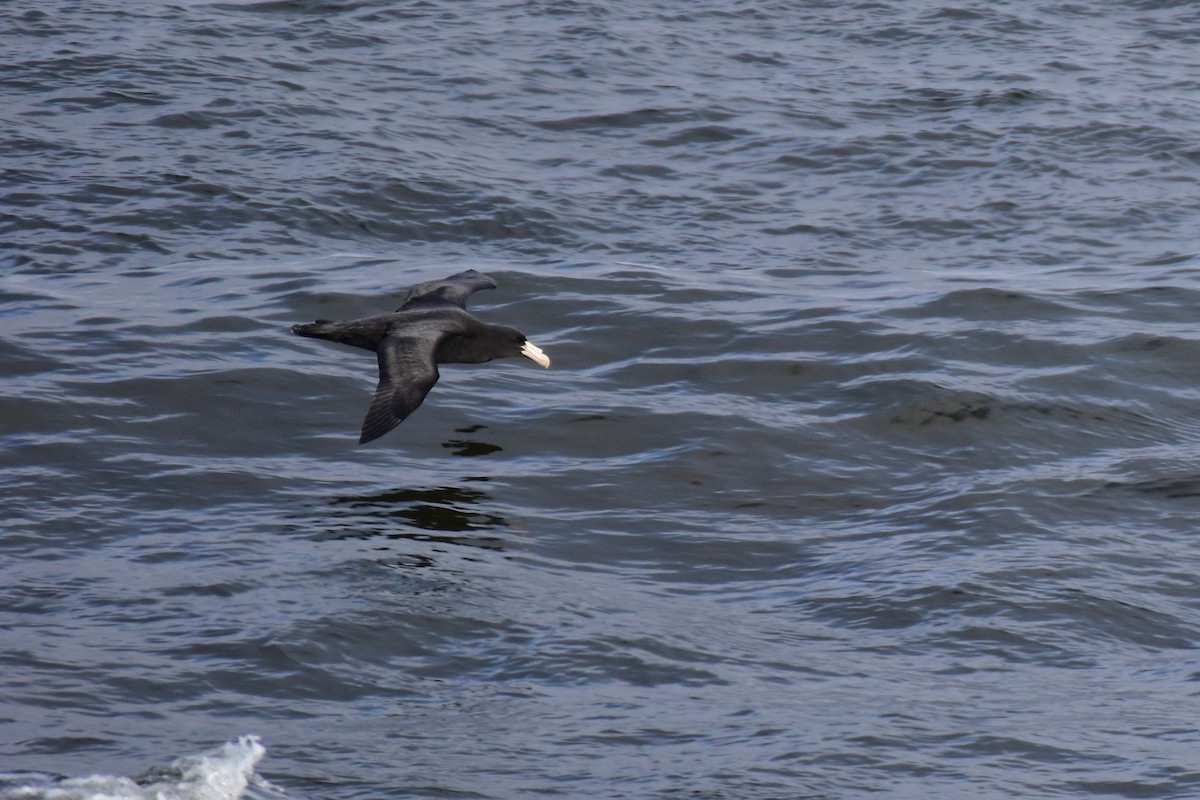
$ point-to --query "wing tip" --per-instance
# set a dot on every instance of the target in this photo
(377, 423)
(376, 432)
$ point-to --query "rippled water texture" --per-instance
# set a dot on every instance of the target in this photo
(868, 463)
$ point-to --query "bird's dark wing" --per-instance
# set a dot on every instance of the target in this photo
(452, 291)
(407, 372)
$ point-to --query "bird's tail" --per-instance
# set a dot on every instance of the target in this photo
(321, 329)
(341, 332)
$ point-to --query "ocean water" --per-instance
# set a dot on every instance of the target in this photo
(868, 464)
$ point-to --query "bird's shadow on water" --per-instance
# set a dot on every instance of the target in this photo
(443, 514)
(439, 515)
(470, 447)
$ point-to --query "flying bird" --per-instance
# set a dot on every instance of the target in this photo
(430, 327)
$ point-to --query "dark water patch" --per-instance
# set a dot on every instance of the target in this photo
(949, 408)
(642, 664)
(1171, 488)
(414, 213)
(1122, 621)
(642, 171)
(937, 100)
(638, 118)
(705, 134)
(298, 7)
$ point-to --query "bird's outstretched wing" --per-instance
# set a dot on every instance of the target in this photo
(452, 291)
(407, 371)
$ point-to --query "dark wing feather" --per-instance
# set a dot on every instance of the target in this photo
(452, 291)
(407, 372)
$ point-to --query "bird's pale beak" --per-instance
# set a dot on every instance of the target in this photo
(534, 353)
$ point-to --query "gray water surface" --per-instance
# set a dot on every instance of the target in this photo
(868, 463)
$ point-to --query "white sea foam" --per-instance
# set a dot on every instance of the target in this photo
(220, 774)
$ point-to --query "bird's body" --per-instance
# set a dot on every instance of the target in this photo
(431, 327)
